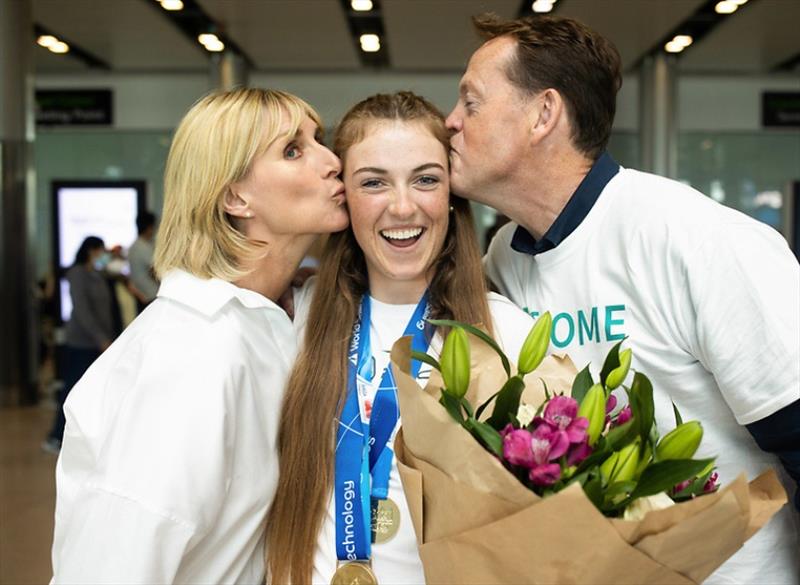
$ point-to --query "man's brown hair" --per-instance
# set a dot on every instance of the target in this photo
(563, 54)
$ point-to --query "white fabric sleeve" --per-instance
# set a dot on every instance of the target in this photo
(498, 263)
(511, 325)
(744, 285)
(147, 482)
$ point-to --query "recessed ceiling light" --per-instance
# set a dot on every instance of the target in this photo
(370, 43)
(684, 40)
(215, 46)
(542, 6)
(673, 47)
(59, 47)
(46, 40)
(361, 5)
(172, 4)
(726, 7)
(206, 38)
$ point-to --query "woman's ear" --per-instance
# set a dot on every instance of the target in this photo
(235, 203)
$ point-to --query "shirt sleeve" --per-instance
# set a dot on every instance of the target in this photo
(744, 285)
(143, 481)
(498, 263)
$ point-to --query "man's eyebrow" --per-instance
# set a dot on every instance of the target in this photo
(371, 170)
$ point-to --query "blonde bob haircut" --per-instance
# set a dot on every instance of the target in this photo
(215, 146)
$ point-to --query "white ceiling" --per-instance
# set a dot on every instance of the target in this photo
(421, 35)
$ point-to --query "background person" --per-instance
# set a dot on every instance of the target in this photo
(140, 257)
(169, 461)
(707, 297)
(90, 328)
(411, 248)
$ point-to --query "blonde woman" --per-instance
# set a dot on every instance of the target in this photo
(411, 252)
(169, 458)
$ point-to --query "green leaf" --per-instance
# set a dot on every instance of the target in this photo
(611, 363)
(507, 402)
(453, 405)
(580, 386)
(428, 359)
(619, 487)
(678, 417)
(467, 407)
(488, 436)
(483, 406)
(663, 476)
(622, 435)
(593, 488)
(642, 407)
(477, 333)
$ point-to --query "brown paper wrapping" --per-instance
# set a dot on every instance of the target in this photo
(476, 523)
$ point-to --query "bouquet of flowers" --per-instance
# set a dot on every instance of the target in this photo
(515, 485)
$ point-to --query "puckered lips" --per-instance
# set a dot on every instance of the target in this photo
(402, 237)
(339, 196)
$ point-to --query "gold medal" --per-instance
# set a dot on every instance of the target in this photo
(354, 573)
(385, 520)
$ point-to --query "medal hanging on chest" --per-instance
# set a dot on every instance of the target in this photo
(364, 513)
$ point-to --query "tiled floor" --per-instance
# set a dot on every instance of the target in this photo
(27, 496)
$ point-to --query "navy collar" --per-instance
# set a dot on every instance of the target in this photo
(574, 212)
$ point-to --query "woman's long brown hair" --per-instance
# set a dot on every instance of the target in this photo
(318, 384)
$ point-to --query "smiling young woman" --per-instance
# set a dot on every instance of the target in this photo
(411, 252)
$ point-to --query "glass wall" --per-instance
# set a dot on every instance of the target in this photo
(748, 171)
(94, 155)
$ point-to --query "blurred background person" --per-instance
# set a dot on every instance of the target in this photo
(140, 256)
(90, 329)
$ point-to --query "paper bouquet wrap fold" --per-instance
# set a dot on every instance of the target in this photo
(476, 523)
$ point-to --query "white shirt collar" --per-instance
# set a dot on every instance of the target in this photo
(209, 295)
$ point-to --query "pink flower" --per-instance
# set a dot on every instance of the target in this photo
(517, 446)
(561, 415)
(548, 444)
(545, 475)
(578, 453)
(624, 416)
(682, 486)
(712, 483)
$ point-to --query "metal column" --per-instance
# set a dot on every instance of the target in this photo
(18, 320)
(658, 111)
(228, 70)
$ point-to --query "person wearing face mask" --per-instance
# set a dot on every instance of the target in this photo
(90, 328)
(410, 253)
(169, 461)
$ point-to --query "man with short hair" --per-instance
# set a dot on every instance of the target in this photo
(140, 256)
(706, 297)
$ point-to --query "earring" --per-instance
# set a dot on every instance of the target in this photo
(249, 214)
(451, 209)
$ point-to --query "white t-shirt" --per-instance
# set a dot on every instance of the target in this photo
(709, 300)
(397, 561)
(169, 460)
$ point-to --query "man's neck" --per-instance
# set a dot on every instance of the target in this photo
(272, 274)
(539, 194)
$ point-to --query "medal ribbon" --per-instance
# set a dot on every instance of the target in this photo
(363, 458)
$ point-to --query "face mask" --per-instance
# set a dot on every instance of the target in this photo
(102, 261)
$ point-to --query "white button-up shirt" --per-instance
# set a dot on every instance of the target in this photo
(169, 460)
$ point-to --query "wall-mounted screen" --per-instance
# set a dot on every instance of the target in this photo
(106, 209)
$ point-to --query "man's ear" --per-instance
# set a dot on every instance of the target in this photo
(235, 202)
(546, 114)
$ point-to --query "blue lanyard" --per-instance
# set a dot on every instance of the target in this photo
(363, 458)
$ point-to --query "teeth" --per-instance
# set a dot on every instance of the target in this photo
(401, 234)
